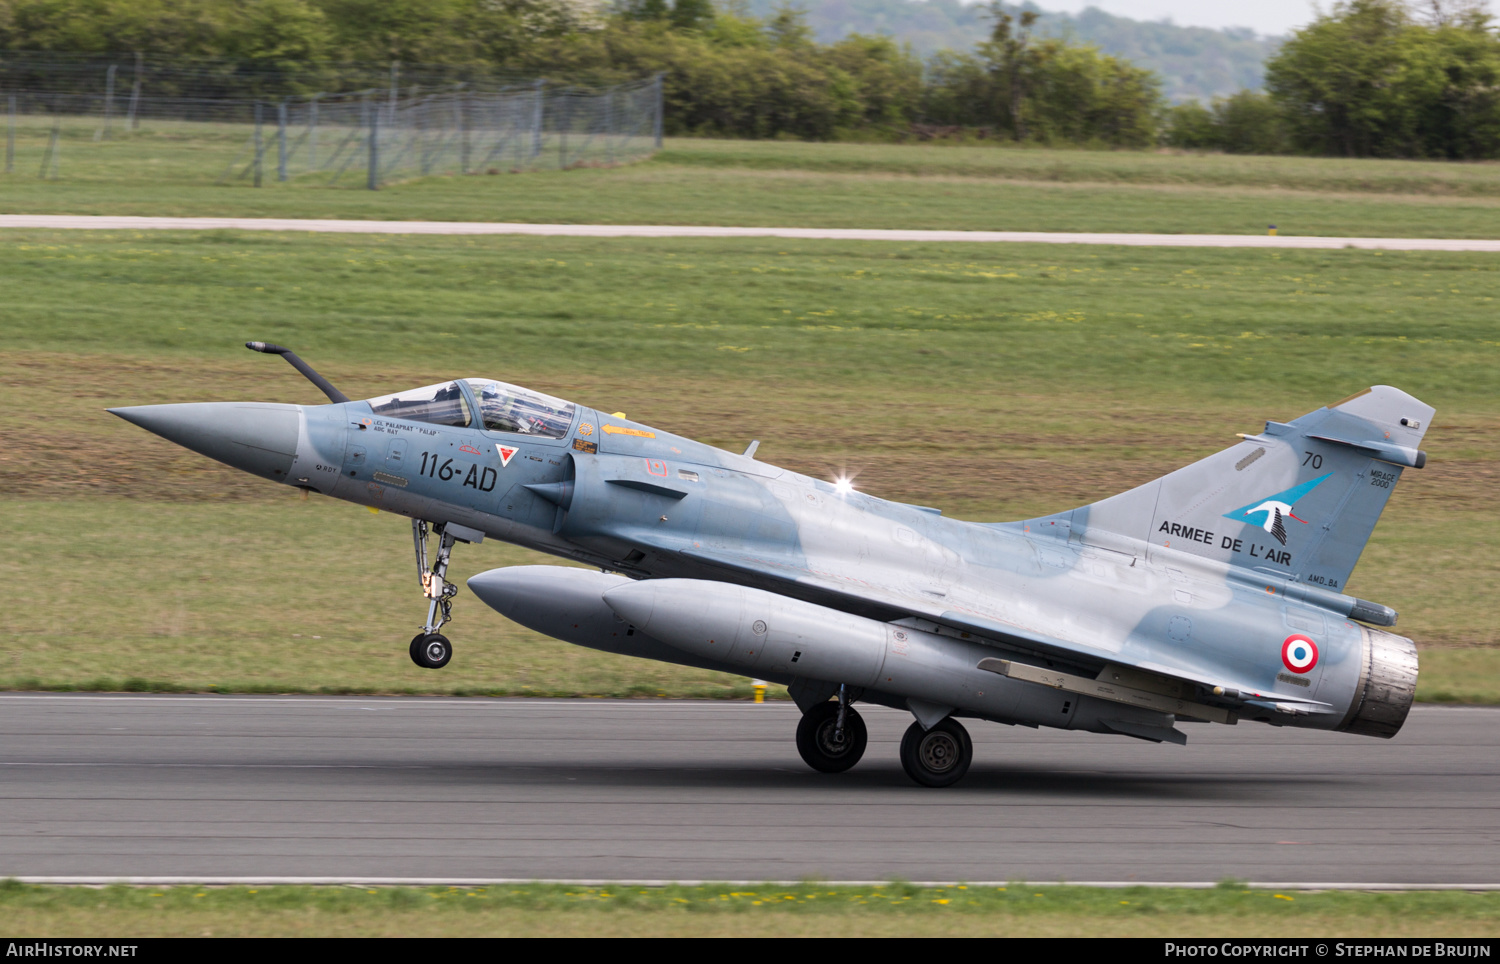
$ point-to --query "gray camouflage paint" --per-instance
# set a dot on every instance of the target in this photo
(1174, 578)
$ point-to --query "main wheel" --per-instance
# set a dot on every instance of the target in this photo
(431, 650)
(817, 738)
(938, 757)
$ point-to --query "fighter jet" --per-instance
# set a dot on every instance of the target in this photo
(1186, 600)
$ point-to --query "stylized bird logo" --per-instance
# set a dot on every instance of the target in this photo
(1274, 512)
(1276, 508)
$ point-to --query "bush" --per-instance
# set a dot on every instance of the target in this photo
(1191, 127)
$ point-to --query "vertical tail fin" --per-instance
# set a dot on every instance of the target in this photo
(1298, 500)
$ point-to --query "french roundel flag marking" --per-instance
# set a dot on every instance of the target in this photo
(1299, 654)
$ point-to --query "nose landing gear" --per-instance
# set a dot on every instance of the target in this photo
(430, 649)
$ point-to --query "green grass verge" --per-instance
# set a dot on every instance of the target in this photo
(993, 382)
(288, 596)
(808, 909)
(172, 170)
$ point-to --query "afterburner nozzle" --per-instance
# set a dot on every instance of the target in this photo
(259, 438)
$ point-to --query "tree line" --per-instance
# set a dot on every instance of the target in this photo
(1371, 78)
(1367, 78)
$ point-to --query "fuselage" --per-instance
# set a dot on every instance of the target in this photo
(628, 497)
(612, 493)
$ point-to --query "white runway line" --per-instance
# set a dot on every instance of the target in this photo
(255, 881)
(122, 223)
(424, 702)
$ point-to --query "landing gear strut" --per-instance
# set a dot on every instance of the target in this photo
(430, 649)
(831, 736)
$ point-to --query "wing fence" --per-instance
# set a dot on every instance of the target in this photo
(366, 137)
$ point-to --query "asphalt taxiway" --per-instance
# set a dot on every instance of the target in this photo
(198, 787)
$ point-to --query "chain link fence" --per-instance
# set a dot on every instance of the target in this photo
(126, 73)
(368, 138)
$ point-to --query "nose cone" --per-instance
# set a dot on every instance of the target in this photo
(259, 438)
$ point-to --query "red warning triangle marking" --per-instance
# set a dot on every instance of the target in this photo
(507, 452)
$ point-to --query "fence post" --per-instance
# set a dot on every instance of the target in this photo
(536, 121)
(135, 93)
(657, 121)
(256, 161)
(562, 133)
(10, 137)
(609, 126)
(52, 149)
(312, 133)
(373, 179)
(419, 134)
(109, 97)
(460, 108)
(395, 81)
(281, 141)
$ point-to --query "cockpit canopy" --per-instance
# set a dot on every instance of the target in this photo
(502, 408)
(509, 408)
(441, 404)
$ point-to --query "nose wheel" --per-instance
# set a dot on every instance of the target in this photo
(430, 649)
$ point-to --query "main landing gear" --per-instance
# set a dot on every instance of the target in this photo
(430, 649)
(938, 757)
(832, 737)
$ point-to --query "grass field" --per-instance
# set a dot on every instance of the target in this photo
(172, 169)
(992, 381)
(737, 910)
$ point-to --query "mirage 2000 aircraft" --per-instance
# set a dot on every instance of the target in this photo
(1212, 594)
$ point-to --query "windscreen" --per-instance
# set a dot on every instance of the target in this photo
(507, 408)
(438, 404)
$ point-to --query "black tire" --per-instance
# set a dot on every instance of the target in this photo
(415, 649)
(815, 738)
(938, 757)
(433, 651)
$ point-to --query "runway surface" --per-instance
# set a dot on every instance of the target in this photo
(112, 223)
(163, 786)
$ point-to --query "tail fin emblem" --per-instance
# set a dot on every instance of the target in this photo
(1274, 510)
